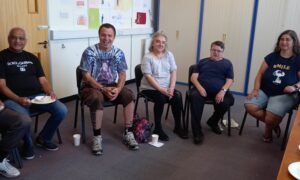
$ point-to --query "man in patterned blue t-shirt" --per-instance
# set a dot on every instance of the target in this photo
(101, 64)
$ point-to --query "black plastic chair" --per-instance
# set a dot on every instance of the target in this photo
(78, 98)
(188, 102)
(16, 158)
(286, 131)
(138, 78)
(36, 114)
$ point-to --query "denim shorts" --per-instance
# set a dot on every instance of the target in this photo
(278, 105)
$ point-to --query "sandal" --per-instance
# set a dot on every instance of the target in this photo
(277, 131)
(267, 140)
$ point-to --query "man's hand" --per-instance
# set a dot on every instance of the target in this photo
(220, 97)
(53, 95)
(111, 92)
(24, 101)
(202, 92)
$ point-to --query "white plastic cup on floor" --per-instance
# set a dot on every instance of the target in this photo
(76, 138)
(154, 139)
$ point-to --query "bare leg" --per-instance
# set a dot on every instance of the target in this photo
(271, 121)
(128, 114)
(256, 111)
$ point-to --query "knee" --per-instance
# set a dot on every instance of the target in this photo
(272, 119)
(24, 121)
(61, 110)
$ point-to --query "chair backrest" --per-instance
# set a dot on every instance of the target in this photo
(78, 77)
(138, 76)
(191, 69)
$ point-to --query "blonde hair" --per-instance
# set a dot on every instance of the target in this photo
(154, 36)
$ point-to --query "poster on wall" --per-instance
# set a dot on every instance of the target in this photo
(90, 14)
(80, 15)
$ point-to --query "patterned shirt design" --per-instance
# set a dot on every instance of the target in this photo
(104, 66)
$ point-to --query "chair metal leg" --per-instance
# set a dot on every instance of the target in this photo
(286, 131)
(16, 158)
(257, 123)
(116, 111)
(82, 123)
(58, 136)
(243, 123)
(147, 110)
(136, 104)
(187, 115)
(76, 113)
(229, 122)
(167, 111)
(36, 123)
(185, 112)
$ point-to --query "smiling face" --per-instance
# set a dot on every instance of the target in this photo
(216, 52)
(106, 36)
(17, 40)
(159, 44)
(286, 43)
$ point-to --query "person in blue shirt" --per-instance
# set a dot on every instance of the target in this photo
(276, 84)
(211, 81)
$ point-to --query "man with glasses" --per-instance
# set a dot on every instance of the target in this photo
(211, 80)
(22, 79)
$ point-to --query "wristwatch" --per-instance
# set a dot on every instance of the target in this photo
(223, 89)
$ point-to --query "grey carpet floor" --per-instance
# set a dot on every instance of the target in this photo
(237, 157)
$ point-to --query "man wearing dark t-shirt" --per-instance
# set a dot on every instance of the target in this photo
(22, 79)
(211, 80)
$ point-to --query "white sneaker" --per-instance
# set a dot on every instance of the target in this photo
(97, 145)
(8, 170)
(129, 140)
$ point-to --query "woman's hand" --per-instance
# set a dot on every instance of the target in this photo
(289, 89)
(253, 94)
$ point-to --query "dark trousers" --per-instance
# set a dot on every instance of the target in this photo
(160, 100)
(197, 105)
(13, 126)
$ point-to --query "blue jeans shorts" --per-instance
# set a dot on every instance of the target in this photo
(278, 105)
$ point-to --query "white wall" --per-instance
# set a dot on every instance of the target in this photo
(229, 21)
(274, 16)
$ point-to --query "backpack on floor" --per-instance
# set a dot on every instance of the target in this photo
(141, 129)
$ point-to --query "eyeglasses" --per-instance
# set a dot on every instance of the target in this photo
(216, 50)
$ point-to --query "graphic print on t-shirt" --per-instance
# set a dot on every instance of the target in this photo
(278, 74)
(21, 65)
(105, 72)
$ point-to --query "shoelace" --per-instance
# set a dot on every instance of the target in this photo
(131, 139)
(97, 143)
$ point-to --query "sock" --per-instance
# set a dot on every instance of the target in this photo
(97, 132)
(128, 129)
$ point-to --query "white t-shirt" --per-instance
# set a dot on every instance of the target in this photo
(160, 69)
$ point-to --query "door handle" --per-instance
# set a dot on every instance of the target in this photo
(44, 43)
